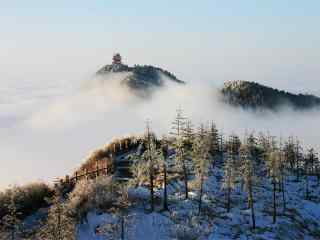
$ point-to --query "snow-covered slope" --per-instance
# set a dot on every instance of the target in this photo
(299, 221)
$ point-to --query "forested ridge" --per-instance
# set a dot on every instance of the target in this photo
(256, 96)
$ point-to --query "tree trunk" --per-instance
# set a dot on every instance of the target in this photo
(274, 214)
(185, 180)
(151, 192)
(307, 187)
(283, 193)
(165, 194)
(228, 199)
(298, 174)
(12, 233)
(122, 228)
(252, 207)
(201, 192)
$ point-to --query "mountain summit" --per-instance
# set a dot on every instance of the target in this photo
(139, 77)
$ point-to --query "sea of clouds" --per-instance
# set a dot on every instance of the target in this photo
(48, 129)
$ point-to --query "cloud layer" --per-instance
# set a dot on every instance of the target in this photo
(48, 134)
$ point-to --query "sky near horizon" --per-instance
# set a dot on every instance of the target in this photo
(273, 42)
(48, 48)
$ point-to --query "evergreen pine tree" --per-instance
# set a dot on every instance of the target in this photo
(214, 142)
(145, 166)
(59, 225)
(274, 169)
(249, 178)
(309, 162)
(229, 177)
(164, 164)
(178, 130)
(201, 158)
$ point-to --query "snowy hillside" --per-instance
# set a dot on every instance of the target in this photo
(300, 220)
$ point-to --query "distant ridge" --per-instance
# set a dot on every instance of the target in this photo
(256, 96)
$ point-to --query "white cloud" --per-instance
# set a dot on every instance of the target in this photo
(53, 136)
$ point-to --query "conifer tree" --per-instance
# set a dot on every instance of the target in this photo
(59, 224)
(309, 161)
(214, 141)
(293, 156)
(298, 156)
(274, 169)
(283, 173)
(164, 163)
(188, 134)
(229, 177)
(249, 178)
(317, 170)
(145, 166)
(201, 148)
(151, 154)
(178, 130)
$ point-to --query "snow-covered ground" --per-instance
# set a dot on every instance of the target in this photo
(301, 220)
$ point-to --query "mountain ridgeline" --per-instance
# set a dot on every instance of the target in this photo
(251, 95)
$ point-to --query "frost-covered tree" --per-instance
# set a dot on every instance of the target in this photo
(179, 124)
(249, 178)
(145, 166)
(274, 163)
(201, 158)
(59, 225)
(213, 134)
(178, 129)
(229, 176)
(289, 152)
(11, 220)
(163, 158)
(309, 163)
(188, 134)
(317, 170)
(298, 150)
(151, 156)
(257, 151)
(283, 174)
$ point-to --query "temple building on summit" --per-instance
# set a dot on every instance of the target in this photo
(116, 59)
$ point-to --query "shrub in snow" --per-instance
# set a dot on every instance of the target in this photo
(28, 198)
(11, 222)
(90, 195)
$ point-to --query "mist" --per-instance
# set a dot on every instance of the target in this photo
(50, 133)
